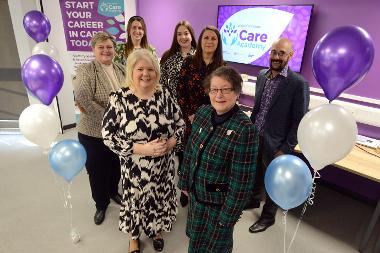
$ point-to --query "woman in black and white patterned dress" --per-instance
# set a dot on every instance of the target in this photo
(142, 124)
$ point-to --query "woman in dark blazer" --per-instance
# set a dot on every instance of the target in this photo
(219, 165)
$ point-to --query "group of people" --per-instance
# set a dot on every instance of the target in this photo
(137, 114)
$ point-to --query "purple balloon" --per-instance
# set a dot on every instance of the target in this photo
(43, 77)
(37, 25)
(341, 59)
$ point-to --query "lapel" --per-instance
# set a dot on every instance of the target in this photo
(260, 88)
(102, 78)
(120, 72)
(282, 86)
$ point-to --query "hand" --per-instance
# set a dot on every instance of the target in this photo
(81, 109)
(157, 147)
(278, 153)
(191, 118)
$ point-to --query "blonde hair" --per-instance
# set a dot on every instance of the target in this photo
(133, 58)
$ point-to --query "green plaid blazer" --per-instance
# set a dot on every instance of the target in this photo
(219, 162)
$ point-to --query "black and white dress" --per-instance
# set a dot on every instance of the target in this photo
(149, 194)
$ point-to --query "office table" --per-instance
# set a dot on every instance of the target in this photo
(364, 164)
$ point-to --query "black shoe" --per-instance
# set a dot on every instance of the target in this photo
(252, 204)
(137, 250)
(158, 244)
(117, 198)
(99, 216)
(260, 226)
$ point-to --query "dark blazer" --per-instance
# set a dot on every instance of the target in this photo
(220, 162)
(289, 104)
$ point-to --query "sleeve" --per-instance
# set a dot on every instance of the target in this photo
(299, 108)
(120, 54)
(111, 131)
(84, 91)
(180, 123)
(164, 79)
(243, 171)
(154, 53)
(183, 81)
(184, 169)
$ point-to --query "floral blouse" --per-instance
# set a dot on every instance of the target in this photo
(170, 72)
(120, 56)
(190, 91)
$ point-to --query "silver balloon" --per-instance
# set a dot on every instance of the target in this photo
(326, 134)
(39, 124)
(47, 49)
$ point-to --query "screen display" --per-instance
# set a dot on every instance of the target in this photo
(248, 31)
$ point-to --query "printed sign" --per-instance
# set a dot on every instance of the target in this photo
(249, 31)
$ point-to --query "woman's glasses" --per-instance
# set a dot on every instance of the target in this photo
(224, 91)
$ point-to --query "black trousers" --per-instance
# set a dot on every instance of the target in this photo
(270, 208)
(103, 169)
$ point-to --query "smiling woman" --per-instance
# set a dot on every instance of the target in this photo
(219, 165)
(142, 124)
(137, 38)
(92, 85)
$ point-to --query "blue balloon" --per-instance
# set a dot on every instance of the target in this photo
(288, 181)
(67, 158)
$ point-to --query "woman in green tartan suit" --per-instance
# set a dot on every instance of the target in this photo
(219, 166)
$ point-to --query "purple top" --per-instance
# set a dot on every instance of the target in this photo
(270, 88)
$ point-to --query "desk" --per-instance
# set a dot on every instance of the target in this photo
(365, 165)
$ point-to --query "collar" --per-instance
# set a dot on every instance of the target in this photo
(284, 72)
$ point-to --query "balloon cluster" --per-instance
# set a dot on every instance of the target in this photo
(327, 133)
(39, 123)
(43, 77)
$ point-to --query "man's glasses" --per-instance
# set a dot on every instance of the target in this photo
(280, 53)
(223, 91)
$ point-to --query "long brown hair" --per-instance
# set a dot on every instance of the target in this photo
(217, 58)
(144, 40)
(175, 47)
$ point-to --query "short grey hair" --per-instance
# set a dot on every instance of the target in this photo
(100, 37)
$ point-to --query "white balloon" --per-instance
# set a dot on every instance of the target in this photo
(326, 134)
(39, 124)
(47, 49)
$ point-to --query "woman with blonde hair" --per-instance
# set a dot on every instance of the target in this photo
(142, 124)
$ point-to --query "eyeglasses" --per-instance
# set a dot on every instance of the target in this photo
(224, 91)
(280, 53)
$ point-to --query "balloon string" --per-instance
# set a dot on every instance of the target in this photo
(310, 201)
(70, 204)
(284, 222)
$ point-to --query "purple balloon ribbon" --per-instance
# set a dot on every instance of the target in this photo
(43, 77)
(341, 58)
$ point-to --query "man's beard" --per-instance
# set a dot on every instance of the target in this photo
(281, 65)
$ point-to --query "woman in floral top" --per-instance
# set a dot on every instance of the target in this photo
(137, 38)
(183, 45)
(207, 58)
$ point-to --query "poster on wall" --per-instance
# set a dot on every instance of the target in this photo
(82, 19)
